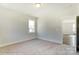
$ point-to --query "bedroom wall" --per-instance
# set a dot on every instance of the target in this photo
(13, 27)
(69, 27)
(50, 29)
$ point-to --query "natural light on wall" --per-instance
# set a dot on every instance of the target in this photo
(31, 24)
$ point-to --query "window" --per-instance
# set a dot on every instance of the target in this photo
(31, 24)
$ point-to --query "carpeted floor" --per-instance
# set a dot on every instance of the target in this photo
(37, 47)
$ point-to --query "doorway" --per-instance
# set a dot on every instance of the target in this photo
(69, 32)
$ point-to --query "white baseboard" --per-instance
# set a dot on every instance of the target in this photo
(49, 40)
(26, 39)
(15, 42)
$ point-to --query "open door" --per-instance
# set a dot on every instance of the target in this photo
(77, 46)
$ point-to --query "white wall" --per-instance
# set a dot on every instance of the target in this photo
(50, 29)
(67, 26)
(13, 27)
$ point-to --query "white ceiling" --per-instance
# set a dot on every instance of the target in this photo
(46, 10)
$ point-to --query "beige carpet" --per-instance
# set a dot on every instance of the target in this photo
(37, 47)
